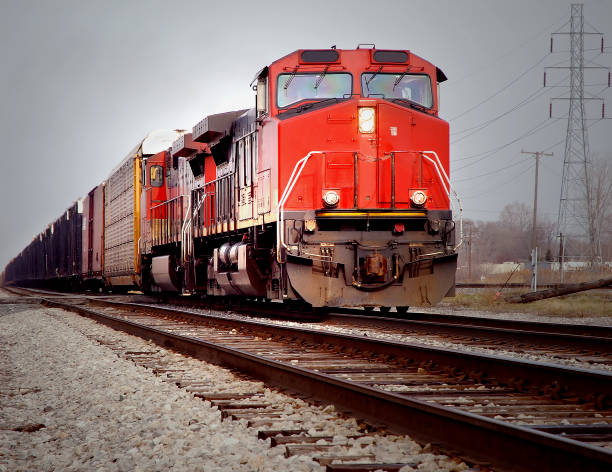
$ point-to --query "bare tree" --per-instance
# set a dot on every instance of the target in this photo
(515, 221)
(516, 216)
(601, 194)
(507, 239)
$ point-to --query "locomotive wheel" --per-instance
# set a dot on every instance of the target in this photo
(402, 309)
(384, 309)
(368, 309)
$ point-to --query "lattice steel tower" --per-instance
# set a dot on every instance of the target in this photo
(576, 220)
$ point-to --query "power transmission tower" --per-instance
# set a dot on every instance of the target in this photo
(576, 218)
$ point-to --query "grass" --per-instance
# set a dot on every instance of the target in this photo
(545, 276)
(593, 303)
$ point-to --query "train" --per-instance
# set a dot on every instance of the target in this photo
(332, 191)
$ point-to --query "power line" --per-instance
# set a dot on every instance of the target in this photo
(489, 153)
(485, 124)
(513, 81)
(499, 185)
(536, 94)
(563, 140)
(491, 172)
(520, 47)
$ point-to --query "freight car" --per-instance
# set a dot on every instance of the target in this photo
(333, 190)
(54, 256)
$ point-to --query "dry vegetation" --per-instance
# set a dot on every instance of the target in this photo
(579, 305)
(508, 240)
(545, 276)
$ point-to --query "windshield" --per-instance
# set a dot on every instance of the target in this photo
(293, 88)
(416, 88)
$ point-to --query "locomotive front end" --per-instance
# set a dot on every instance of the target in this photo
(364, 214)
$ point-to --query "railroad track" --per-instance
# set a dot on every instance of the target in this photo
(515, 415)
(563, 343)
(554, 342)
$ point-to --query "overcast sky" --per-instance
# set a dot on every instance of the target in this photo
(82, 81)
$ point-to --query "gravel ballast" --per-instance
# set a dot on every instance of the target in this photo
(69, 402)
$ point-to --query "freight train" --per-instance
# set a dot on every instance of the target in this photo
(333, 190)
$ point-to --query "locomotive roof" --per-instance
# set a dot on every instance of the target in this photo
(381, 57)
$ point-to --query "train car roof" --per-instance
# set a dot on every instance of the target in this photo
(154, 142)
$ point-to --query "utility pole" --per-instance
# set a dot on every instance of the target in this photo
(470, 256)
(534, 242)
(561, 257)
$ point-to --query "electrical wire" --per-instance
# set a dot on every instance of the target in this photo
(534, 95)
(515, 163)
(505, 87)
(489, 153)
(486, 123)
(514, 177)
(552, 146)
(538, 93)
(499, 185)
(520, 47)
(476, 128)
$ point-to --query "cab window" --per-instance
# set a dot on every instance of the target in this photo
(157, 176)
(295, 88)
(412, 87)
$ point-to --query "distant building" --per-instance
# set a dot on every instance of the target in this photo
(503, 268)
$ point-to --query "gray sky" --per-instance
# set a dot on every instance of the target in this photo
(82, 81)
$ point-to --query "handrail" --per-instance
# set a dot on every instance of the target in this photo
(295, 175)
(450, 189)
(168, 213)
(200, 201)
(218, 179)
(301, 163)
(166, 202)
(445, 181)
(186, 224)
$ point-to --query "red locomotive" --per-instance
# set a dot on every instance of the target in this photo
(333, 190)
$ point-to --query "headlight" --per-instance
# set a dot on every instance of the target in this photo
(331, 198)
(367, 120)
(418, 198)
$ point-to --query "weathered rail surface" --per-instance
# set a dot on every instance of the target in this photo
(591, 344)
(463, 401)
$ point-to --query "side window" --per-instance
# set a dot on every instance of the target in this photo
(240, 163)
(248, 166)
(157, 176)
(262, 96)
(254, 154)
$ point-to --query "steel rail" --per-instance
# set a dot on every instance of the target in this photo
(583, 338)
(505, 446)
(596, 339)
(390, 319)
(395, 320)
(533, 326)
(580, 381)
